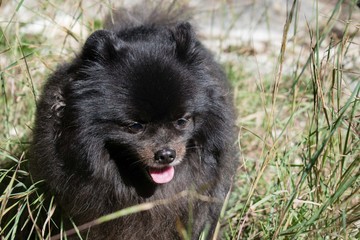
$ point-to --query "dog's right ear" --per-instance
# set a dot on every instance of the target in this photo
(185, 40)
(102, 45)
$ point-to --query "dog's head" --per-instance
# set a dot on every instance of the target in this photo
(143, 98)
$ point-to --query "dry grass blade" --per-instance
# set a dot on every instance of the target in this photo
(131, 210)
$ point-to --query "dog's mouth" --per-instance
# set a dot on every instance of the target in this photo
(161, 175)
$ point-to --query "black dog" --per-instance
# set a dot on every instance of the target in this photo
(142, 114)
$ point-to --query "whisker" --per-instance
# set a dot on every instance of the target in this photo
(194, 147)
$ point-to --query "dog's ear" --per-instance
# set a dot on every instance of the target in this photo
(102, 45)
(185, 40)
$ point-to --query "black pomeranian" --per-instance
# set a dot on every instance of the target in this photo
(143, 113)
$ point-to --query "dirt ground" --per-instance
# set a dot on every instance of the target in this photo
(241, 29)
(246, 32)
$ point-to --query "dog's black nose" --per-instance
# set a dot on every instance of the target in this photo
(165, 155)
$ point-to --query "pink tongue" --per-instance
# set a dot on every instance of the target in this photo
(163, 175)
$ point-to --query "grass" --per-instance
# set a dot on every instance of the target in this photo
(299, 121)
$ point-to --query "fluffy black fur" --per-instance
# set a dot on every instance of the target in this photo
(136, 89)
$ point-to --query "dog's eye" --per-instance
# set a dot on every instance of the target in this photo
(182, 123)
(136, 127)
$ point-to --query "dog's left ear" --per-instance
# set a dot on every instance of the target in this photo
(185, 40)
